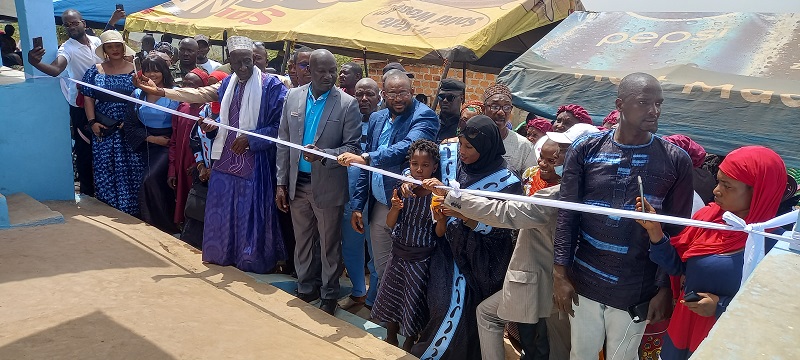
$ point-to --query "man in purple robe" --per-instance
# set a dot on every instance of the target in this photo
(241, 225)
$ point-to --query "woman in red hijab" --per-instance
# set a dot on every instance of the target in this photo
(751, 184)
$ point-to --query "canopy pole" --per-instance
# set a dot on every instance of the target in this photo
(447, 64)
(464, 72)
(224, 45)
(287, 51)
(366, 68)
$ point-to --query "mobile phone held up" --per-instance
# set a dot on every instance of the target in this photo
(691, 296)
(38, 43)
(641, 192)
(120, 7)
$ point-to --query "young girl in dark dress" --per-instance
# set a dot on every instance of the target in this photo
(401, 299)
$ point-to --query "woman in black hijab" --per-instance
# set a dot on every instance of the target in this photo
(471, 264)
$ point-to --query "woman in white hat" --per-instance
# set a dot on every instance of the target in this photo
(117, 168)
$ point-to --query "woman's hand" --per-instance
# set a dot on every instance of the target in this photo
(432, 185)
(97, 127)
(653, 227)
(397, 202)
(158, 140)
(707, 306)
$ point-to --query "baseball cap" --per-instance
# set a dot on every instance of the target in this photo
(396, 66)
(201, 37)
(575, 132)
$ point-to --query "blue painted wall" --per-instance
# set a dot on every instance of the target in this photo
(35, 143)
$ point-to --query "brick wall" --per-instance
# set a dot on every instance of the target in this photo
(427, 77)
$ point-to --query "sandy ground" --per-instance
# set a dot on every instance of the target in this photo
(106, 286)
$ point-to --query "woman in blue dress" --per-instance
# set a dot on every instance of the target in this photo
(117, 168)
(148, 130)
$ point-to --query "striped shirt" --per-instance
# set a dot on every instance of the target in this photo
(608, 256)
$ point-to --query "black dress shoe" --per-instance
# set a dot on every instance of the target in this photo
(308, 297)
(328, 306)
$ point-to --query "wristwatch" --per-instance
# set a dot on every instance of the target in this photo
(366, 157)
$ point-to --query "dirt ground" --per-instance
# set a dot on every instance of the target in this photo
(106, 286)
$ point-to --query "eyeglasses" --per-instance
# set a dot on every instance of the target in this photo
(471, 132)
(392, 96)
(448, 97)
(505, 108)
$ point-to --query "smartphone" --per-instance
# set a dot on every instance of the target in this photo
(640, 311)
(641, 192)
(37, 42)
(691, 296)
(121, 7)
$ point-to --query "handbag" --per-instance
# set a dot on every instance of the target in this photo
(112, 125)
(196, 202)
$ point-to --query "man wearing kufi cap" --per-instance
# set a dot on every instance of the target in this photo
(451, 97)
(241, 224)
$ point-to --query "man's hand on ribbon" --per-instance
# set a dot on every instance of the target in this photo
(348, 159)
(309, 156)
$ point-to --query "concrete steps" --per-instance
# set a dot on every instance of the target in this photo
(21, 210)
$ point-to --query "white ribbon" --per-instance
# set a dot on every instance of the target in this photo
(755, 248)
(754, 231)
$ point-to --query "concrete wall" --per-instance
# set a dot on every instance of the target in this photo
(35, 143)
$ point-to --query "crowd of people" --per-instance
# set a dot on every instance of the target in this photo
(449, 271)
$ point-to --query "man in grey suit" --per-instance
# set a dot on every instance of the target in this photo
(322, 117)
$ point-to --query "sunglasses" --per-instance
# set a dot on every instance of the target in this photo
(471, 132)
(448, 97)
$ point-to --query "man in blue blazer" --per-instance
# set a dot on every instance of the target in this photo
(391, 131)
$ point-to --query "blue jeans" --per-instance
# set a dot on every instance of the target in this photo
(353, 247)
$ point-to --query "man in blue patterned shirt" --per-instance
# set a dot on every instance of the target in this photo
(601, 262)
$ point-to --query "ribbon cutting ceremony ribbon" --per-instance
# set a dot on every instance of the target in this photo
(734, 223)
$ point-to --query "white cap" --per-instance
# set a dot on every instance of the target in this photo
(569, 136)
(239, 43)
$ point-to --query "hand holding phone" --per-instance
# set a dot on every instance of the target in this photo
(691, 296)
(121, 7)
(641, 192)
(38, 43)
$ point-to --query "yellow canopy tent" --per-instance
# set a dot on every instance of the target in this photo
(425, 30)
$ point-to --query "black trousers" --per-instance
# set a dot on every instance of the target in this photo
(82, 150)
(534, 341)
